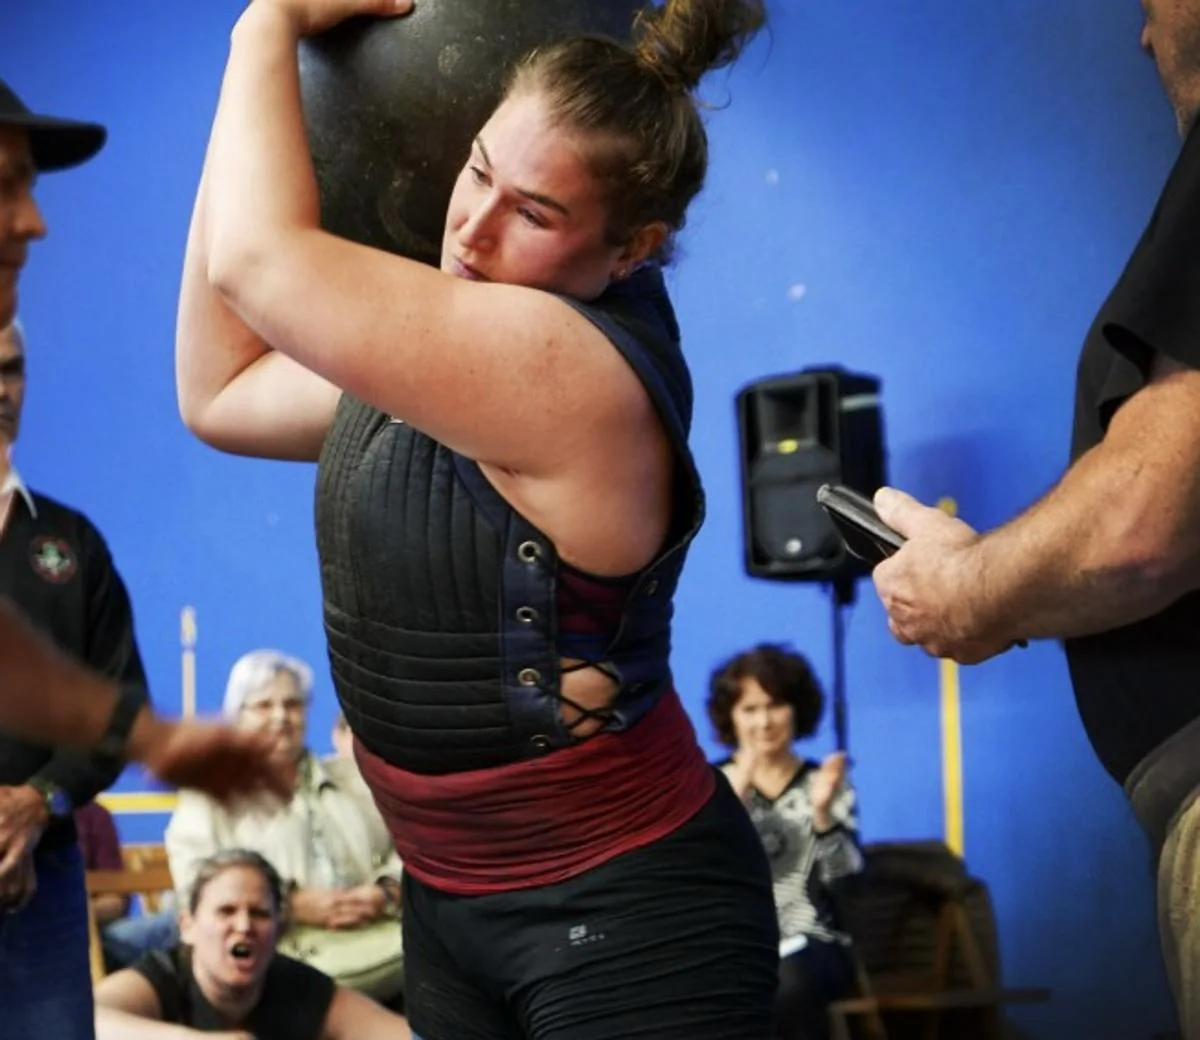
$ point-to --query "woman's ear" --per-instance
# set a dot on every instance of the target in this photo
(645, 243)
(187, 926)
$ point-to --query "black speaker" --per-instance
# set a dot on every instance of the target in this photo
(797, 432)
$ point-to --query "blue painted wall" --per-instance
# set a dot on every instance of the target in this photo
(939, 193)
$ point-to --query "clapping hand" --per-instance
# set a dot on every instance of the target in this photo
(823, 787)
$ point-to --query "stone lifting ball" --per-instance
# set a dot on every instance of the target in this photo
(391, 106)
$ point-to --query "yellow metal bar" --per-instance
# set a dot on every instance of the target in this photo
(952, 777)
(951, 720)
(138, 801)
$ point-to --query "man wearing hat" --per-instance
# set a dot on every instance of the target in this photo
(45, 696)
(55, 567)
(31, 144)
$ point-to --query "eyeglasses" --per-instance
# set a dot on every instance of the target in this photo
(265, 709)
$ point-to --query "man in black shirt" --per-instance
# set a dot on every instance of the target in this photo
(55, 568)
(45, 696)
(1109, 560)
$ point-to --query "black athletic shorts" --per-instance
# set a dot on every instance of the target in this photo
(674, 941)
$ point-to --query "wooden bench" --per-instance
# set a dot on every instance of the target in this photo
(145, 873)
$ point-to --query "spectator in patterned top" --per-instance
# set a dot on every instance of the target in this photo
(760, 702)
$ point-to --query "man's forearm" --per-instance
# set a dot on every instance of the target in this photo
(79, 774)
(1092, 555)
(45, 697)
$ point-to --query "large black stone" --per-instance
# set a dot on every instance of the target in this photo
(391, 107)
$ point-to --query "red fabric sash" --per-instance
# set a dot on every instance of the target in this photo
(547, 819)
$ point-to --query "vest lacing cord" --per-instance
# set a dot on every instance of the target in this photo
(529, 553)
(604, 714)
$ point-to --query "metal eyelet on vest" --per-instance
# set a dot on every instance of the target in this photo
(526, 615)
(529, 552)
(540, 743)
(529, 677)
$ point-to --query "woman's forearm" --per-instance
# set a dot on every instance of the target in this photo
(213, 347)
(262, 185)
(114, 1024)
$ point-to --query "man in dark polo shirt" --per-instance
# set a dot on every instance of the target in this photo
(62, 602)
(1109, 560)
(55, 567)
(46, 695)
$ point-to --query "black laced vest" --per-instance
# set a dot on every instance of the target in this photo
(440, 599)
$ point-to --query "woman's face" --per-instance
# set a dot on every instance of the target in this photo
(760, 723)
(233, 930)
(527, 211)
(280, 709)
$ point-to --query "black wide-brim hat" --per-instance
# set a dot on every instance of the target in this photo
(56, 144)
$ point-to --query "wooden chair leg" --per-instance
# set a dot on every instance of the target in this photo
(875, 1029)
(839, 1026)
(946, 934)
(95, 949)
(977, 970)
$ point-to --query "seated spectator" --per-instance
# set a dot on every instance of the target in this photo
(329, 843)
(227, 977)
(122, 938)
(342, 766)
(760, 702)
(343, 739)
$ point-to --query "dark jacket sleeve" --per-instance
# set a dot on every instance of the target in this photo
(112, 650)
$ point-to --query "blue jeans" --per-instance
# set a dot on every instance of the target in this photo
(45, 981)
(127, 938)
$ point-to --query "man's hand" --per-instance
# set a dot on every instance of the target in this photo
(23, 817)
(211, 757)
(931, 587)
(17, 886)
(308, 17)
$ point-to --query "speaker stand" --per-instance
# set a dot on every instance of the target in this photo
(841, 596)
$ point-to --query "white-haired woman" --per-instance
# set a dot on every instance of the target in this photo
(328, 842)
